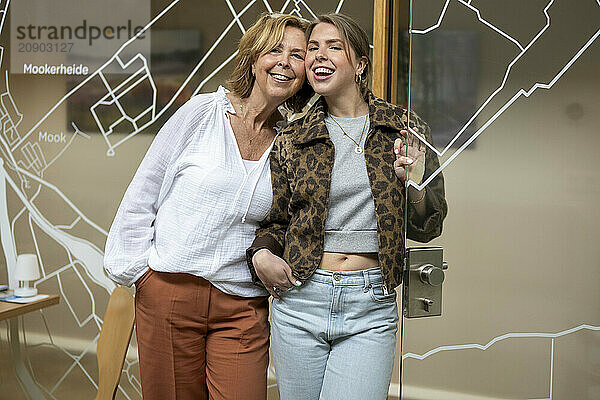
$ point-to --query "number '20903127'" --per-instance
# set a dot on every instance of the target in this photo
(35, 47)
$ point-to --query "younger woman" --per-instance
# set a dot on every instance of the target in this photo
(338, 214)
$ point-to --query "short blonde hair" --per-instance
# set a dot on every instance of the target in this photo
(355, 38)
(266, 34)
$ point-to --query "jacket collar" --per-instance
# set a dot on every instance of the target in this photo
(381, 113)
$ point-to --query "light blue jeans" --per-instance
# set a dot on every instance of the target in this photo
(335, 337)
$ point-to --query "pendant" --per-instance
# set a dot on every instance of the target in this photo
(358, 150)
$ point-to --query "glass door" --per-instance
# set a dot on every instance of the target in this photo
(510, 91)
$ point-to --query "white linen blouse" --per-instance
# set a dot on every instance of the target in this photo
(193, 205)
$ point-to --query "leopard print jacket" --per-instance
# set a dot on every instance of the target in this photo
(301, 164)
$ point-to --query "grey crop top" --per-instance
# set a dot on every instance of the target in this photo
(351, 225)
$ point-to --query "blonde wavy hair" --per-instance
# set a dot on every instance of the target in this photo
(266, 34)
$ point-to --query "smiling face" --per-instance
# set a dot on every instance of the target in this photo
(280, 72)
(329, 69)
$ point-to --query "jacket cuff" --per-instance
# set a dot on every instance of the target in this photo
(264, 242)
(430, 226)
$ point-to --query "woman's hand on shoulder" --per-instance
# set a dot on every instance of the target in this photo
(409, 158)
(274, 272)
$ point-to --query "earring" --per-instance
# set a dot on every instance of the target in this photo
(357, 78)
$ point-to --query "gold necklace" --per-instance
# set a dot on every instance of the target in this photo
(357, 149)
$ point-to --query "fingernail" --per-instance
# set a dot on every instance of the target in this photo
(298, 283)
(396, 151)
(410, 161)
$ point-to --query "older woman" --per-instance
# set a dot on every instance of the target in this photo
(189, 214)
(334, 234)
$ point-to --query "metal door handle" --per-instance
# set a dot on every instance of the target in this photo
(423, 278)
(431, 275)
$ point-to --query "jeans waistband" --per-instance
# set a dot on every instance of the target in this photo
(362, 278)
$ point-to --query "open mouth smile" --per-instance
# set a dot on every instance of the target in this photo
(323, 72)
(280, 77)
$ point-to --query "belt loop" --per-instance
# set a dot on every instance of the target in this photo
(367, 285)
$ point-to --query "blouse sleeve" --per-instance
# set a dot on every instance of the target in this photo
(130, 236)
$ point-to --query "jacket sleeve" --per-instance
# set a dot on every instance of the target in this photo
(271, 231)
(427, 227)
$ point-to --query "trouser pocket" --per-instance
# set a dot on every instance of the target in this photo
(380, 295)
(143, 279)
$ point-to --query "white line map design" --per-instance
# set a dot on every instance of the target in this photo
(497, 110)
(506, 336)
(516, 96)
(24, 161)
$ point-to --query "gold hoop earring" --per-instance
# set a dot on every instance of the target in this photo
(357, 78)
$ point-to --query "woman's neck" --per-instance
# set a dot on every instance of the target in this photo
(257, 110)
(347, 105)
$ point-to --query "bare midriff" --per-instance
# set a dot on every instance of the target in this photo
(348, 262)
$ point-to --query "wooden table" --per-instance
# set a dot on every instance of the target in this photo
(11, 311)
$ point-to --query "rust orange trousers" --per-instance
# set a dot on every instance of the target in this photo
(196, 342)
